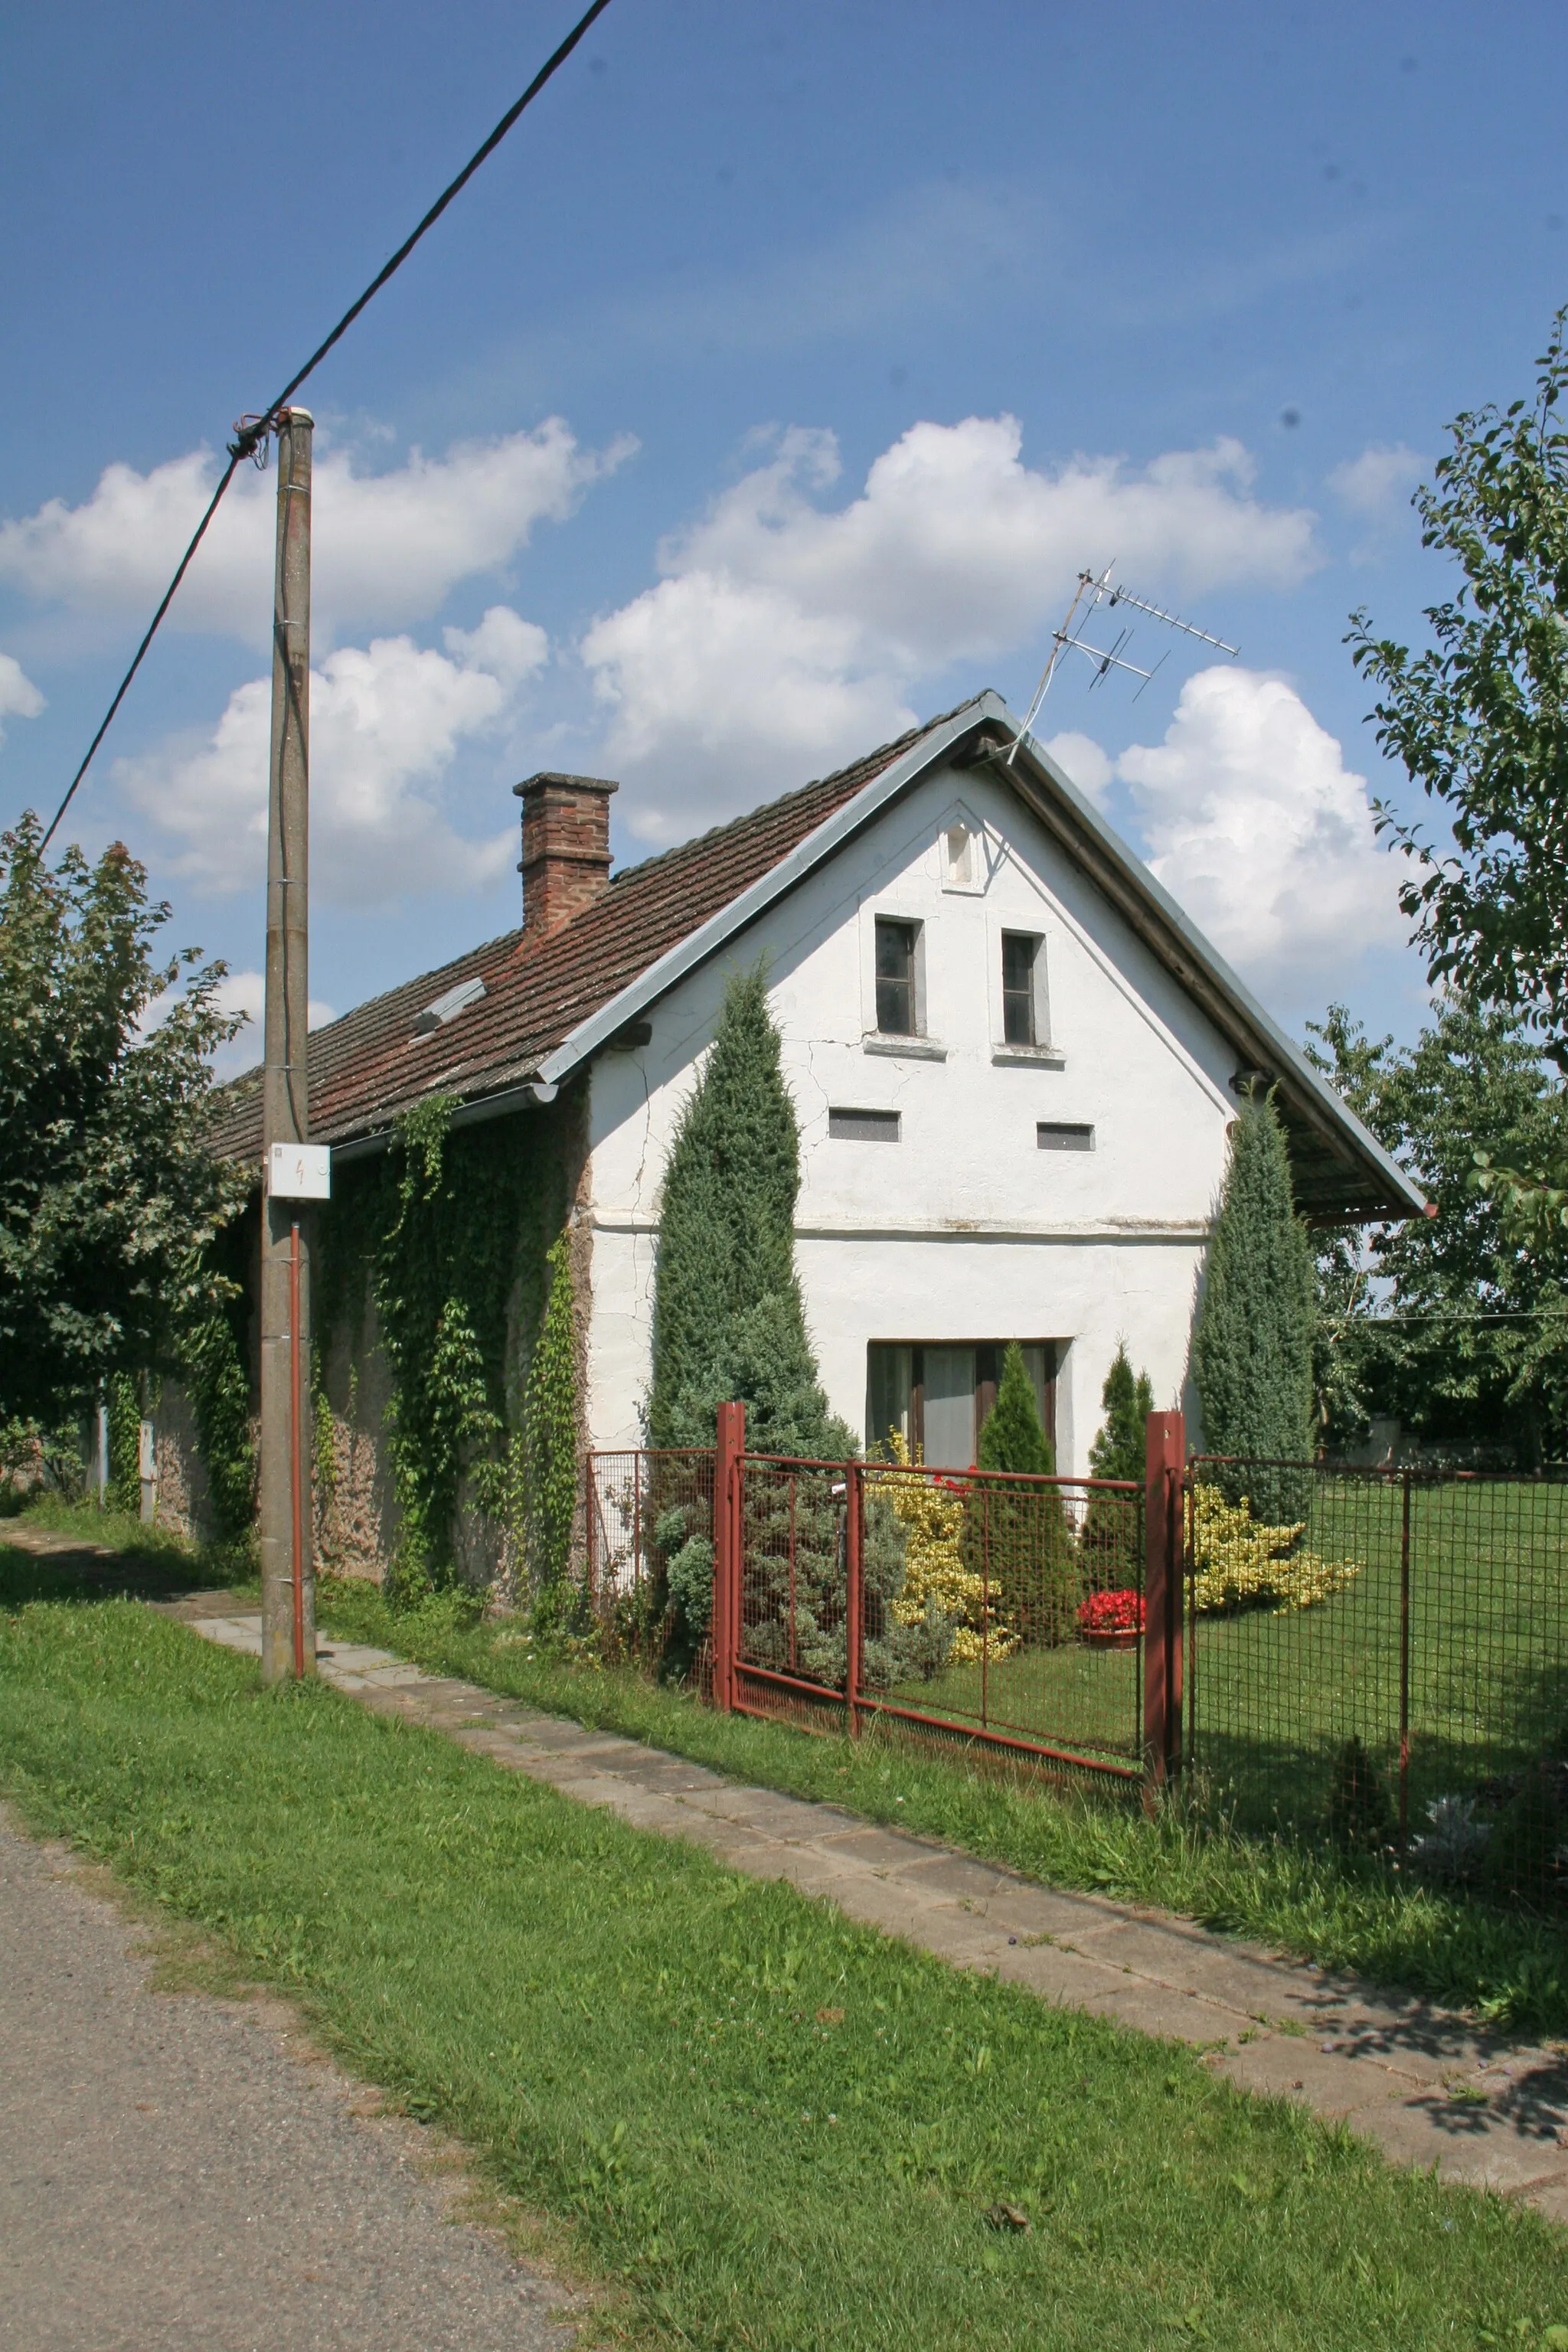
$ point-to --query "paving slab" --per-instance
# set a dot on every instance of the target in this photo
(1428, 2088)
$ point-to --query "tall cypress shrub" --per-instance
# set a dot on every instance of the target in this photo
(1252, 1351)
(728, 1322)
(1020, 1533)
(1112, 1527)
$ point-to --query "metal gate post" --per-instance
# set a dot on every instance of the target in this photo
(728, 1446)
(854, 1604)
(1164, 1459)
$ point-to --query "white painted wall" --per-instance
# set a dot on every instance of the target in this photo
(965, 1229)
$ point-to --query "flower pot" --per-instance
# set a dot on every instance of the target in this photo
(1128, 1641)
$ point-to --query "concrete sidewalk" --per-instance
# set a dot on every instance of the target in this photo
(1427, 2087)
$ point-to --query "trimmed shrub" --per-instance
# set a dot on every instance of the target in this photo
(1113, 1527)
(1252, 1351)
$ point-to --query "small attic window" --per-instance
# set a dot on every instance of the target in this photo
(446, 1008)
(957, 857)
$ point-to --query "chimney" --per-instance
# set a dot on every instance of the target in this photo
(565, 858)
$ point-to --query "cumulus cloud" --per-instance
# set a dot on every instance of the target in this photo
(19, 697)
(388, 548)
(245, 993)
(814, 622)
(1378, 480)
(1258, 830)
(1084, 763)
(386, 722)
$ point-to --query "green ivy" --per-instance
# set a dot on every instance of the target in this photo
(124, 1441)
(449, 1236)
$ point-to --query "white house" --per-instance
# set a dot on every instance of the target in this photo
(1012, 1057)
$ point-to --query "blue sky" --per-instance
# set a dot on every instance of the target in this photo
(770, 386)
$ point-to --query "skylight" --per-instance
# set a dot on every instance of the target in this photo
(448, 1007)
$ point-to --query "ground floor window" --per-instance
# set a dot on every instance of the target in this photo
(937, 1393)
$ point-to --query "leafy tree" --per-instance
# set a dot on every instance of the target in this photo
(727, 1319)
(109, 1197)
(1452, 1324)
(1252, 1351)
(1481, 718)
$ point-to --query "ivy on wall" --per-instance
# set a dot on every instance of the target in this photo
(457, 1240)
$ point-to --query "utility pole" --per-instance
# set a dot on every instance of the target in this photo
(288, 1581)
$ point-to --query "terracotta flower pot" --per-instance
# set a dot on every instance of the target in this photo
(1128, 1641)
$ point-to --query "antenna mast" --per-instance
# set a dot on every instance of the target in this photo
(1092, 590)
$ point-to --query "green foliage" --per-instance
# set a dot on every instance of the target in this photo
(1021, 1535)
(218, 1383)
(1252, 1351)
(1454, 1325)
(1480, 719)
(124, 1406)
(1013, 1437)
(1112, 1530)
(450, 1236)
(109, 1197)
(727, 1319)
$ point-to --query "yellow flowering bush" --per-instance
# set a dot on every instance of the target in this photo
(1239, 1559)
(932, 1514)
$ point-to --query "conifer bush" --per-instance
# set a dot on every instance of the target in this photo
(1252, 1351)
(1021, 1533)
(1111, 1527)
(729, 1324)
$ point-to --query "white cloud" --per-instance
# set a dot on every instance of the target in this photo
(388, 548)
(1377, 480)
(246, 992)
(386, 721)
(1084, 763)
(1256, 827)
(19, 697)
(786, 636)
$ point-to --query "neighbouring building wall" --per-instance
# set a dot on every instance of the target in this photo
(964, 1228)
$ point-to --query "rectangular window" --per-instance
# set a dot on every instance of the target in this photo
(863, 1126)
(896, 978)
(1059, 1135)
(936, 1393)
(1018, 1024)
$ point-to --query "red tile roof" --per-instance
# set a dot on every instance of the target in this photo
(368, 1067)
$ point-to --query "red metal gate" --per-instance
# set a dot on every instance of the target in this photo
(1038, 1615)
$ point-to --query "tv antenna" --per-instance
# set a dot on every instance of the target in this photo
(1094, 589)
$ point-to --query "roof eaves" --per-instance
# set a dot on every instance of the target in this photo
(707, 940)
(1282, 1050)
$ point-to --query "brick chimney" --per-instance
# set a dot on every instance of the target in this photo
(565, 860)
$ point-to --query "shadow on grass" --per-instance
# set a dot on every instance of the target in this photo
(112, 1557)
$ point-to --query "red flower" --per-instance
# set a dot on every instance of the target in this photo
(1112, 1612)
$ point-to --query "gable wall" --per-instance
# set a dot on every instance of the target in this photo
(963, 1229)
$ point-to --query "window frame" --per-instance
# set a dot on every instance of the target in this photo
(894, 918)
(988, 1354)
(1044, 1050)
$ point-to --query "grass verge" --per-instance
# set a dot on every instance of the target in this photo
(1343, 1913)
(771, 2129)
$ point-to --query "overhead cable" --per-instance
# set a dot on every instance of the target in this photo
(252, 431)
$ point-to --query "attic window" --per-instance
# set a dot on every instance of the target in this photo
(1063, 1135)
(446, 1008)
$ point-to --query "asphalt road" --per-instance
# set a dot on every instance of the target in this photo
(176, 2172)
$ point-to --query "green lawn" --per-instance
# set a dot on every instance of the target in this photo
(771, 2128)
(1297, 1898)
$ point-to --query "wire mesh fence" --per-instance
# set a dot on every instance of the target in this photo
(1008, 1608)
(644, 1511)
(1379, 1658)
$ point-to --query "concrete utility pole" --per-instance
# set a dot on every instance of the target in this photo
(288, 1581)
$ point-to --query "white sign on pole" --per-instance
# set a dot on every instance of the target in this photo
(301, 1172)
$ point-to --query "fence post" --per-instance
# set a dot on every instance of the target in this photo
(854, 1606)
(729, 1443)
(1164, 1459)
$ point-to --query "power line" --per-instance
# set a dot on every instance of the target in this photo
(252, 431)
